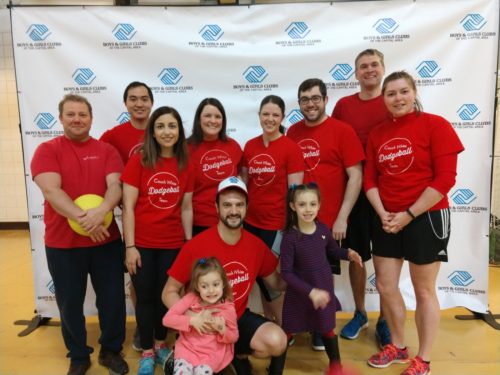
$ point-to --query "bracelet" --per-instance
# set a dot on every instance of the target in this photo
(413, 217)
(129, 247)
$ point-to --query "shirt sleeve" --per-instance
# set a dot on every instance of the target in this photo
(351, 147)
(44, 160)
(132, 172)
(231, 334)
(114, 162)
(295, 160)
(333, 250)
(175, 318)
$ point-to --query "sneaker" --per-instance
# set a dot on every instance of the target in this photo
(242, 366)
(78, 368)
(382, 333)
(389, 355)
(356, 324)
(317, 342)
(291, 341)
(136, 341)
(162, 355)
(113, 361)
(146, 365)
(335, 368)
(417, 367)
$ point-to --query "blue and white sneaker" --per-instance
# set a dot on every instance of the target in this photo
(146, 365)
(162, 355)
(356, 324)
(382, 333)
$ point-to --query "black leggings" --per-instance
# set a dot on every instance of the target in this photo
(148, 283)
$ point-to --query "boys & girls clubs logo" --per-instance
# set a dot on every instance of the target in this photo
(42, 125)
(210, 36)
(170, 79)
(297, 35)
(255, 77)
(462, 199)
(84, 78)
(385, 32)
(461, 282)
(468, 117)
(124, 38)
(38, 35)
(429, 73)
(343, 77)
(472, 26)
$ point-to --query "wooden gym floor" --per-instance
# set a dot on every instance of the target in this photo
(462, 347)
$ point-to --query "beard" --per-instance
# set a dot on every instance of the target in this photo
(225, 221)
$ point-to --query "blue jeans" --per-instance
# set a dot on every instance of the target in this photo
(69, 269)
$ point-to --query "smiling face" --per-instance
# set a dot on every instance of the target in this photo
(399, 97)
(210, 287)
(138, 103)
(211, 122)
(270, 117)
(306, 206)
(369, 71)
(166, 133)
(232, 208)
(76, 120)
(312, 105)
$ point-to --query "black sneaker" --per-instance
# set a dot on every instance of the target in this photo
(113, 361)
(78, 368)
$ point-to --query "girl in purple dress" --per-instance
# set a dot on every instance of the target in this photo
(310, 303)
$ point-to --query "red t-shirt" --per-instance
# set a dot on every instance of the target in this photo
(158, 208)
(243, 261)
(125, 138)
(83, 167)
(400, 158)
(268, 169)
(362, 115)
(212, 162)
(328, 149)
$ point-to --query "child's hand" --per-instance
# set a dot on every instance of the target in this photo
(319, 298)
(202, 322)
(353, 256)
(219, 324)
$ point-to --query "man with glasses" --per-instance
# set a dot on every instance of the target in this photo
(363, 111)
(333, 155)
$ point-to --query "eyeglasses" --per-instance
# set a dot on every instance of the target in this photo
(315, 99)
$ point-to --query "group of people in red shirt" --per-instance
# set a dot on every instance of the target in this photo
(383, 168)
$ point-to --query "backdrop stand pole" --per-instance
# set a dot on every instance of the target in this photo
(34, 323)
(488, 317)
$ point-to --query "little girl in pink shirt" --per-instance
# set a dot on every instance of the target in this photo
(202, 349)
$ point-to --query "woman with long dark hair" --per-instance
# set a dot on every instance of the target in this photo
(157, 220)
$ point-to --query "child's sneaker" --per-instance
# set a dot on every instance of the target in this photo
(389, 355)
(356, 324)
(382, 333)
(146, 365)
(162, 354)
(417, 367)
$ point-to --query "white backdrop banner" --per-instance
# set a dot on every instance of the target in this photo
(239, 54)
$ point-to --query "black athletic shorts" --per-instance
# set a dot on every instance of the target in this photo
(423, 241)
(248, 324)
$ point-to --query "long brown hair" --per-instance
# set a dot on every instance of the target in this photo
(196, 136)
(203, 266)
(151, 150)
